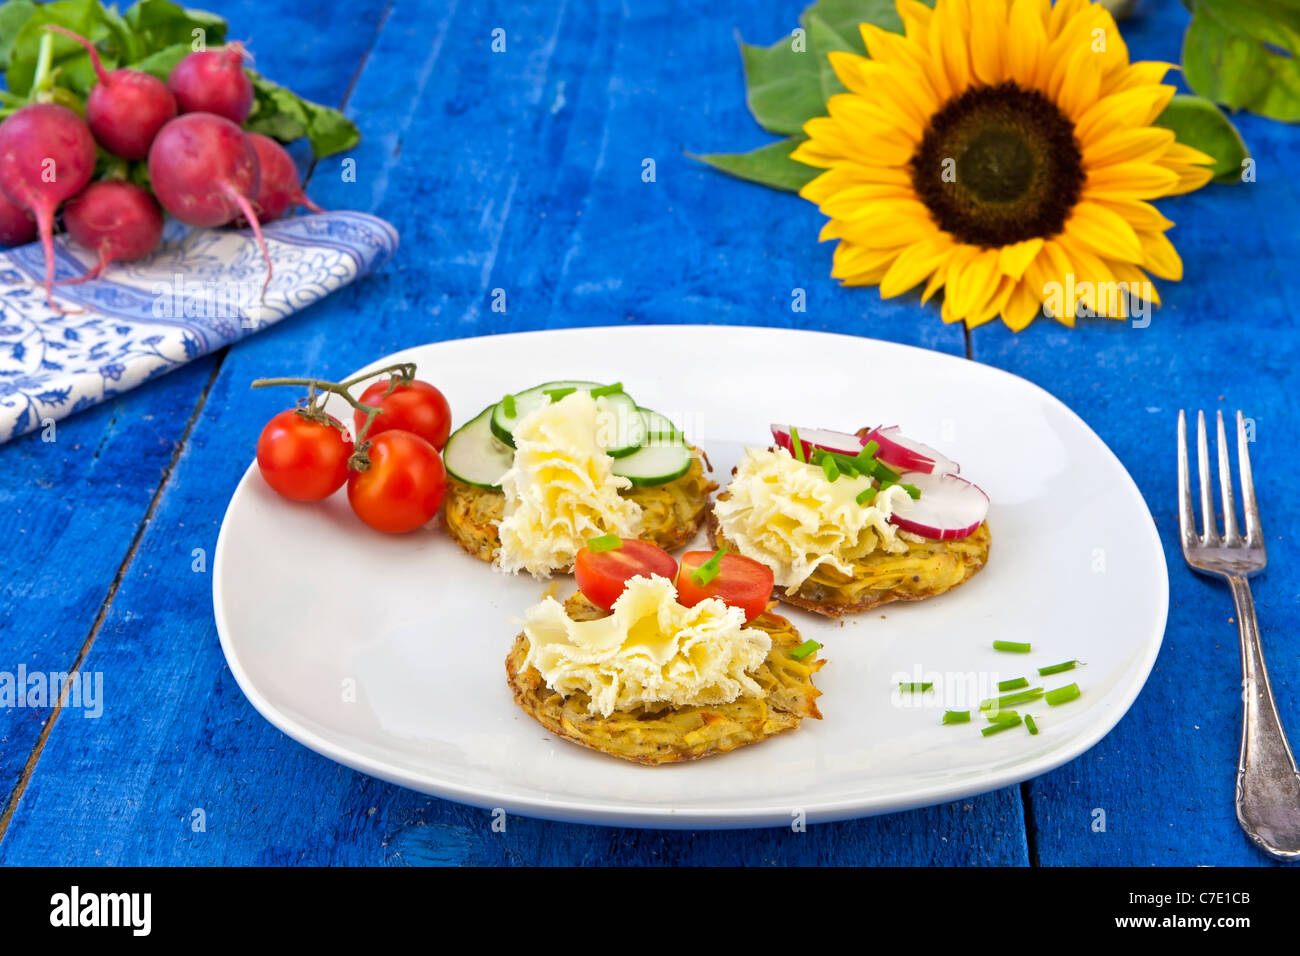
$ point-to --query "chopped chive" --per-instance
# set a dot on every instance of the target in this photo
(956, 716)
(1062, 695)
(869, 450)
(606, 542)
(508, 406)
(884, 472)
(707, 571)
(804, 649)
(999, 726)
(1007, 700)
(1057, 668)
(1029, 722)
(1015, 684)
(830, 468)
(796, 445)
(1002, 717)
(913, 687)
(558, 393)
(604, 390)
(1011, 646)
(866, 495)
(913, 492)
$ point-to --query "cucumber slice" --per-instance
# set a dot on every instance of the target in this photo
(628, 429)
(659, 428)
(625, 434)
(474, 455)
(503, 425)
(655, 464)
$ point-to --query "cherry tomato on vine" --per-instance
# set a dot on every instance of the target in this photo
(602, 575)
(302, 458)
(418, 407)
(404, 485)
(741, 582)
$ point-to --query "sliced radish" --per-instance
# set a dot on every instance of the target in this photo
(949, 507)
(905, 454)
(810, 438)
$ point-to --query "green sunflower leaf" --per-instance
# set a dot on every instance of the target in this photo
(769, 165)
(783, 84)
(1245, 54)
(1200, 124)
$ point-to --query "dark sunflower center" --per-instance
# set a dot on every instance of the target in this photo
(997, 165)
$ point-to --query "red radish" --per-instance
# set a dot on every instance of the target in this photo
(949, 507)
(906, 454)
(840, 442)
(205, 172)
(120, 221)
(17, 227)
(281, 189)
(46, 155)
(213, 81)
(126, 108)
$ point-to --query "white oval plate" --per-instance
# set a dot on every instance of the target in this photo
(386, 653)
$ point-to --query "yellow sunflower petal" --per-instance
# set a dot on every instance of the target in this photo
(1079, 83)
(970, 287)
(1135, 107)
(1013, 260)
(1190, 178)
(1135, 281)
(847, 67)
(1131, 180)
(1144, 73)
(1136, 212)
(852, 261)
(987, 36)
(948, 47)
(914, 264)
(916, 20)
(1159, 255)
(996, 303)
(1104, 231)
(1141, 145)
(1182, 153)
(1027, 41)
(1021, 307)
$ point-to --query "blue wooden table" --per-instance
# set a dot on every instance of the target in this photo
(522, 170)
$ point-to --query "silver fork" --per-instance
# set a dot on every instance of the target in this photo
(1268, 786)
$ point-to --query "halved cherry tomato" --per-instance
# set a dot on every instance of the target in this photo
(403, 487)
(302, 459)
(741, 582)
(602, 575)
(419, 408)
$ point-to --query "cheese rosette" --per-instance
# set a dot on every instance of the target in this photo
(560, 490)
(649, 651)
(786, 514)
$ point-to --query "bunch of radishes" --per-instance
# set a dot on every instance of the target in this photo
(204, 170)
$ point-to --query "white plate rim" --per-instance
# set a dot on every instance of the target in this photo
(656, 816)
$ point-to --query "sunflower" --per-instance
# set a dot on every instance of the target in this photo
(1001, 150)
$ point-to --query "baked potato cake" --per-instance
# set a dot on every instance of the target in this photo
(672, 513)
(673, 734)
(926, 569)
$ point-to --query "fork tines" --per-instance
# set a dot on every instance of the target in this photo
(1209, 536)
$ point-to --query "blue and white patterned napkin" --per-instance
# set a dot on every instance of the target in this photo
(201, 291)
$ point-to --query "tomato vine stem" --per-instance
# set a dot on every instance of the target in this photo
(313, 407)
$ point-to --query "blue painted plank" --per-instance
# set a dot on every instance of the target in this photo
(70, 509)
(463, 152)
(1225, 339)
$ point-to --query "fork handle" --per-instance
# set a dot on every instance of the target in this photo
(1268, 785)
